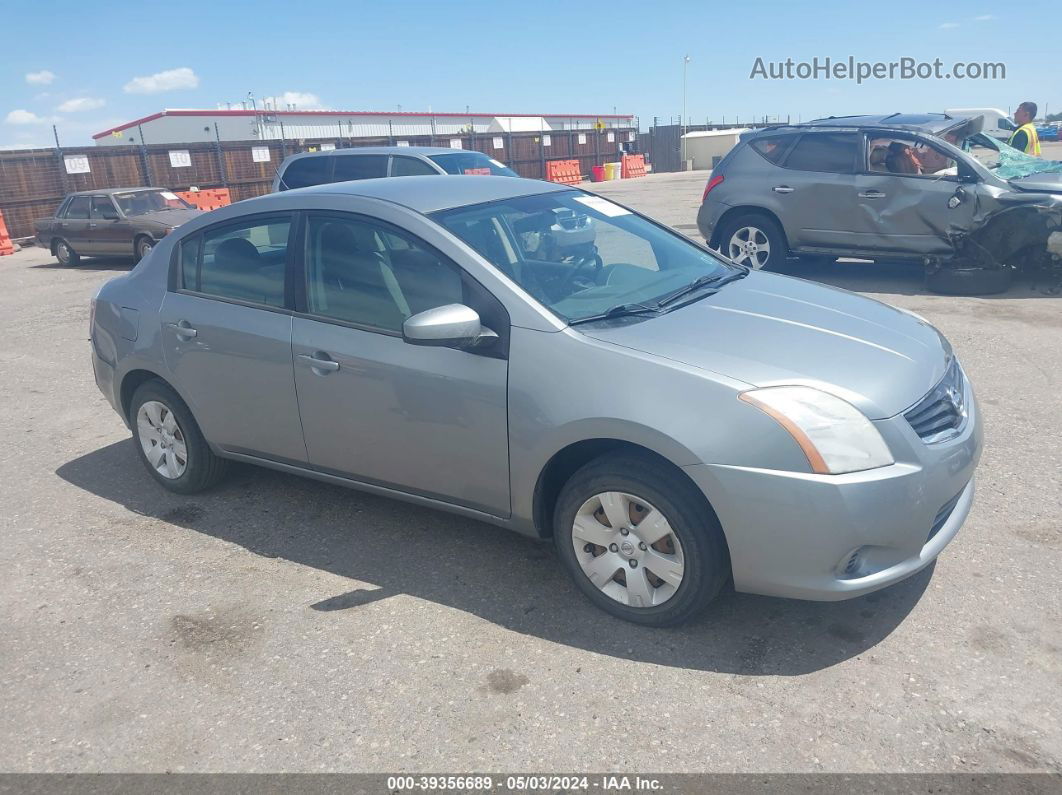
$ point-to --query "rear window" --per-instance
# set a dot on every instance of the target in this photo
(359, 167)
(307, 171)
(773, 148)
(833, 152)
(472, 163)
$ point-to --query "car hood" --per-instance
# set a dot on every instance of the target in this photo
(769, 330)
(1048, 182)
(167, 217)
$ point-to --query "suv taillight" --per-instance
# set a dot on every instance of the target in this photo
(715, 180)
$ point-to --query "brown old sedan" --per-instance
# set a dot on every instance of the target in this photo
(122, 222)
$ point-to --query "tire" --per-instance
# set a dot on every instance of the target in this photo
(764, 234)
(970, 281)
(695, 541)
(156, 407)
(142, 247)
(65, 253)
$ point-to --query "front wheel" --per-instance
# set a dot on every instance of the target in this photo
(66, 254)
(641, 543)
(169, 441)
(143, 247)
(753, 240)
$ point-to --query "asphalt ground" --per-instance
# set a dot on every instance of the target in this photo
(279, 624)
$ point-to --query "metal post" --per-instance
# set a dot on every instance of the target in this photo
(390, 133)
(283, 141)
(144, 162)
(682, 121)
(60, 161)
(221, 157)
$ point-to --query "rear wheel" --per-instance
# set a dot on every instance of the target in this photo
(642, 544)
(65, 254)
(169, 442)
(753, 240)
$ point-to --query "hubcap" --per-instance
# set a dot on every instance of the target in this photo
(145, 249)
(162, 439)
(749, 246)
(627, 548)
(62, 253)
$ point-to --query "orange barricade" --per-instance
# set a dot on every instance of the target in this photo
(6, 246)
(209, 199)
(566, 171)
(633, 166)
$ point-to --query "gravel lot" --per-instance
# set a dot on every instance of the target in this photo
(282, 624)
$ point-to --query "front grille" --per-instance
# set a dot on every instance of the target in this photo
(942, 516)
(941, 414)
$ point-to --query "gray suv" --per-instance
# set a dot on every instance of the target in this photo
(897, 187)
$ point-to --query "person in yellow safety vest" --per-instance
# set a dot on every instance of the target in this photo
(1025, 138)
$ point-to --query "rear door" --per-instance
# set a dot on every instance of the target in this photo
(816, 189)
(226, 334)
(427, 420)
(73, 227)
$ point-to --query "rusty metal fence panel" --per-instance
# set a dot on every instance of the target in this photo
(33, 182)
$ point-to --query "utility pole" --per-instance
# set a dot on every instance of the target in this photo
(682, 121)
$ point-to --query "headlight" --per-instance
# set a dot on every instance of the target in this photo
(835, 436)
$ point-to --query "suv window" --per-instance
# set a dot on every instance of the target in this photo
(364, 273)
(245, 262)
(359, 167)
(410, 167)
(78, 208)
(888, 154)
(832, 152)
(774, 147)
(307, 171)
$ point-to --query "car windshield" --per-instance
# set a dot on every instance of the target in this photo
(581, 256)
(1004, 160)
(472, 163)
(139, 202)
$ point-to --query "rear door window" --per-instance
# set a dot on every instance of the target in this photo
(410, 167)
(832, 152)
(307, 171)
(78, 208)
(242, 262)
(359, 167)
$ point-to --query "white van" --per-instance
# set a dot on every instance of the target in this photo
(997, 123)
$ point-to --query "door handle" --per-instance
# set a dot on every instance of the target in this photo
(782, 189)
(872, 194)
(92, 226)
(183, 329)
(318, 362)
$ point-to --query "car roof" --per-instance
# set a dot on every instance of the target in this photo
(933, 123)
(429, 193)
(111, 191)
(384, 150)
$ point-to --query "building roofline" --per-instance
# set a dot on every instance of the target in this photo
(429, 114)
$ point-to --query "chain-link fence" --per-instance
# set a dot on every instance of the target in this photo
(33, 182)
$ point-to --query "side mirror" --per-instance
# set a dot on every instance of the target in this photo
(109, 214)
(968, 177)
(451, 326)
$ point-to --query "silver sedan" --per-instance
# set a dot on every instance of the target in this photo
(669, 419)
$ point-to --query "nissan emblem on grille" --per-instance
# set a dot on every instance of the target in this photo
(941, 414)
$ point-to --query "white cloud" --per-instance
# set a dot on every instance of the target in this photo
(985, 18)
(949, 25)
(170, 80)
(21, 116)
(80, 104)
(41, 78)
(300, 99)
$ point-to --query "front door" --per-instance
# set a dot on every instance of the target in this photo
(226, 334)
(426, 420)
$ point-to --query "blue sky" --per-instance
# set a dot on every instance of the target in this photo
(107, 63)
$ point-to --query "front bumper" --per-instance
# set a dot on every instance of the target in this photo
(794, 534)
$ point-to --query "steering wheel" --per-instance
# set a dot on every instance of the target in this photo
(580, 264)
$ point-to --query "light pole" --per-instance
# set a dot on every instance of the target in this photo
(682, 121)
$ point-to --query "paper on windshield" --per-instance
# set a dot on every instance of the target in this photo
(603, 206)
(170, 197)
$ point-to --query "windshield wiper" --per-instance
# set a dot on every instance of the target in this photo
(698, 283)
(620, 310)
